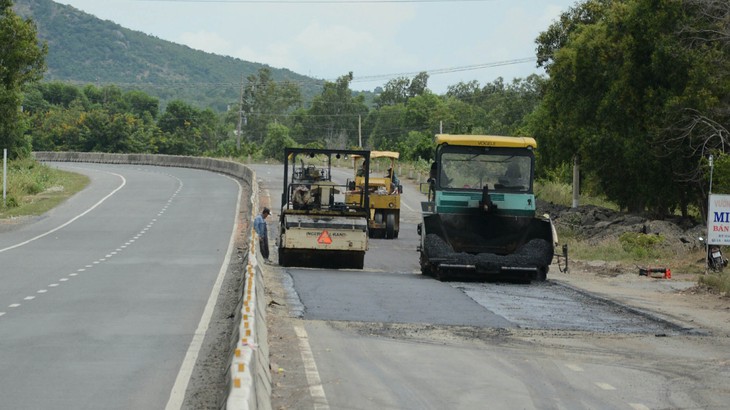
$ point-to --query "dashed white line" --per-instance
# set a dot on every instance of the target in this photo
(638, 406)
(316, 390)
(147, 228)
(605, 386)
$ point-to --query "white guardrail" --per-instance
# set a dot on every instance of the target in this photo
(249, 386)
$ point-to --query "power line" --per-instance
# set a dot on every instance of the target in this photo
(316, 1)
(356, 79)
(439, 71)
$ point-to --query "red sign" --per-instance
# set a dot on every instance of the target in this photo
(324, 238)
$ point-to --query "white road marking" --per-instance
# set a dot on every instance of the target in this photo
(2, 313)
(574, 367)
(29, 298)
(42, 291)
(63, 279)
(53, 285)
(73, 274)
(14, 305)
(638, 406)
(316, 390)
(69, 222)
(605, 386)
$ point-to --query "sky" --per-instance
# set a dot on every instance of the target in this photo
(377, 40)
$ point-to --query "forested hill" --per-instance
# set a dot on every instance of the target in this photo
(85, 49)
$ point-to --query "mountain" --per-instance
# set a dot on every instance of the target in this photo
(83, 49)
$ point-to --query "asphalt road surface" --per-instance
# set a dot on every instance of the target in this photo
(387, 337)
(103, 299)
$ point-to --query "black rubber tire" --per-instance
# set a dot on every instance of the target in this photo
(390, 226)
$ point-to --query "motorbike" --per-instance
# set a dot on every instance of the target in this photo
(715, 260)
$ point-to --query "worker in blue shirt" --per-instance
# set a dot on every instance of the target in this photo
(259, 224)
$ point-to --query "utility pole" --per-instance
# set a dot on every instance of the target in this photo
(359, 131)
(576, 181)
(5, 174)
(240, 117)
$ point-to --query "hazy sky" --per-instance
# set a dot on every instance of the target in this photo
(375, 39)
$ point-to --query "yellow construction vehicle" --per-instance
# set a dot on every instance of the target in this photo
(319, 225)
(479, 221)
(384, 192)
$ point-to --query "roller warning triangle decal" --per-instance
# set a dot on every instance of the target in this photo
(324, 238)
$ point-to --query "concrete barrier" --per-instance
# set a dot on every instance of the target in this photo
(249, 386)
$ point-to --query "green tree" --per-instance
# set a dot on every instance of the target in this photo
(497, 108)
(266, 101)
(22, 61)
(277, 138)
(399, 90)
(185, 129)
(333, 118)
(615, 80)
(387, 127)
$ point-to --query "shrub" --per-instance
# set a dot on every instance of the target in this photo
(641, 245)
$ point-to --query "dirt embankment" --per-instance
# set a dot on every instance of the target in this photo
(595, 224)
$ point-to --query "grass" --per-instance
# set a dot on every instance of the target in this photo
(34, 188)
(562, 194)
(717, 280)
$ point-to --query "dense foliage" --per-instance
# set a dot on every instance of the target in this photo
(271, 115)
(21, 62)
(638, 91)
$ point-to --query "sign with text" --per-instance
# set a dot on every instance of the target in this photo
(718, 220)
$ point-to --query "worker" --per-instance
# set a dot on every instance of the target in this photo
(393, 180)
(513, 175)
(361, 170)
(259, 225)
(302, 198)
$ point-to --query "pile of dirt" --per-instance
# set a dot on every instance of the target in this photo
(595, 225)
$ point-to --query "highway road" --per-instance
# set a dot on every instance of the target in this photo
(104, 301)
(387, 337)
